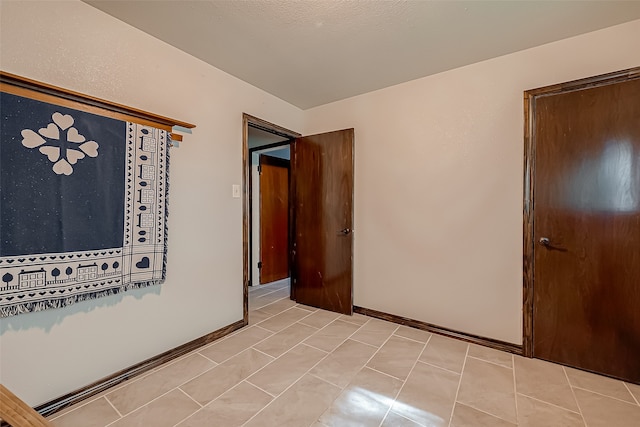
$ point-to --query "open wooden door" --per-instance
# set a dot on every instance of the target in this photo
(322, 215)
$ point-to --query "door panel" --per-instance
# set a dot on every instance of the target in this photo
(587, 204)
(322, 188)
(274, 219)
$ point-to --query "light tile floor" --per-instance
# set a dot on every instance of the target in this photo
(302, 367)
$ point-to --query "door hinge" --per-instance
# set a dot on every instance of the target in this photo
(259, 169)
(259, 264)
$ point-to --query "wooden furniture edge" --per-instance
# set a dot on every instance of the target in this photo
(77, 97)
(60, 403)
(451, 333)
(17, 413)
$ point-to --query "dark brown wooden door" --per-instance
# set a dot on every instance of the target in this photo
(587, 229)
(322, 188)
(274, 219)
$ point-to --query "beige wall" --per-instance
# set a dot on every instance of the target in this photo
(438, 189)
(70, 44)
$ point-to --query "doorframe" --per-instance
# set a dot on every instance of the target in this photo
(261, 124)
(530, 97)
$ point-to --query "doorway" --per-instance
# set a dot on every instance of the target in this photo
(260, 138)
(582, 222)
(320, 200)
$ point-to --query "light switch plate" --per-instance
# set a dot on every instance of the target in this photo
(235, 191)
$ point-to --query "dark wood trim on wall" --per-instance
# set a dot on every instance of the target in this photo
(83, 393)
(247, 120)
(527, 250)
(475, 339)
(530, 97)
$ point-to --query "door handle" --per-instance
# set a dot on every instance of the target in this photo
(344, 231)
(546, 242)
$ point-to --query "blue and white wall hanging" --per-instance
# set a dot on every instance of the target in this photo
(83, 204)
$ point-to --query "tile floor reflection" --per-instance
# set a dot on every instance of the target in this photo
(302, 367)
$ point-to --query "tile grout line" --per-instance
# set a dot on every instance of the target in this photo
(292, 323)
(630, 392)
(225, 360)
(113, 406)
(395, 399)
(208, 403)
(246, 380)
(444, 369)
(383, 373)
(634, 401)
(489, 361)
(84, 403)
(401, 416)
(267, 287)
(146, 404)
(367, 344)
(210, 360)
(573, 393)
(187, 417)
(245, 349)
(355, 323)
(378, 349)
(455, 399)
(272, 302)
(328, 382)
(367, 363)
(487, 413)
(301, 342)
(548, 403)
(122, 385)
(264, 294)
(163, 394)
(410, 339)
(363, 367)
(290, 349)
(606, 395)
(307, 308)
(315, 348)
(276, 302)
(257, 325)
(307, 372)
(267, 354)
(306, 324)
(185, 393)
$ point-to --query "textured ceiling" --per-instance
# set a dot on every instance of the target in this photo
(313, 52)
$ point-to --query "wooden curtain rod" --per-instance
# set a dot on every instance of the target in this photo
(76, 97)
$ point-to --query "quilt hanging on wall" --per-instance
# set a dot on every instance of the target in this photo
(82, 205)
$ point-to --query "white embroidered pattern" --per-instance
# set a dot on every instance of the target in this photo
(61, 143)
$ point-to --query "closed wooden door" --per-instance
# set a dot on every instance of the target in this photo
(322, 188)
(274, 219)
(586, 295)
